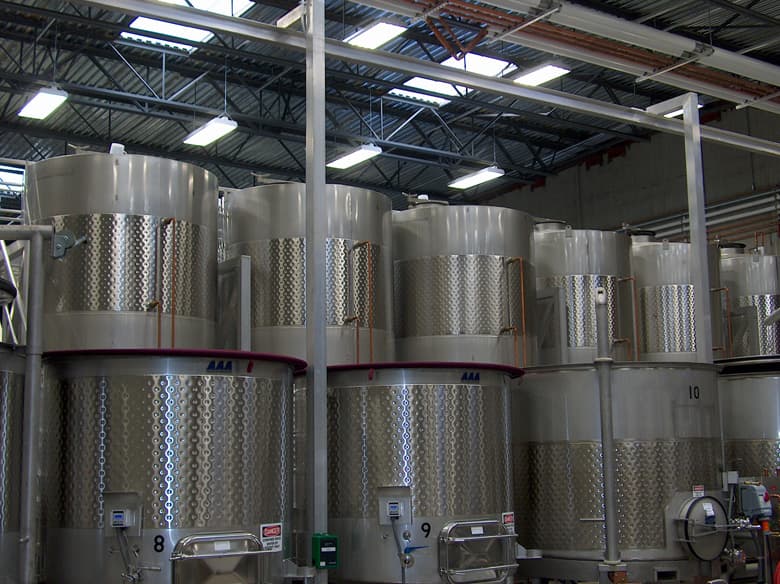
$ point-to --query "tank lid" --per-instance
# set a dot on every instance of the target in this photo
(749, 365)
(419, 200)
(641, 234)
(296, 364)
(550, 225)
(512, 371)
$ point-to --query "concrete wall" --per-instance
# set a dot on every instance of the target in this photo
(649, 181)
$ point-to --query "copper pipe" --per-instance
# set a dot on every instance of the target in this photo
(730, 339)
(354, 319)
(502, 22)
(635, 302)
(157, 304)
(513, 329)
(520, 261)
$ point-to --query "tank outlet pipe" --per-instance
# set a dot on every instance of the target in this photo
(29, 520)
(603, 364)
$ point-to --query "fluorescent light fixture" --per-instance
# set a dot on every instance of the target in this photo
(481, 65)
(187, 33)
(375, 36)
(541, 75)
(476, 178)
(44, 103)
(678, 112)
(398, 92)
(365, 152)
(211, 131)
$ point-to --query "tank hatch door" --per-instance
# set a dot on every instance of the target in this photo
(476, 551)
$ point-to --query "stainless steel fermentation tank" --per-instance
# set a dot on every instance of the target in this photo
(429, 444)
(571, 264)
(464, 284)
(184, 456)
(268, 223)
(667, 442)
(750, 402)
(146, 275)
(667, 322)
(11, 398)
(753, 282)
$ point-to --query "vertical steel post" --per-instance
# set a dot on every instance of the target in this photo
(30, 520)
(604, 368)
(316, 374)
(698, 259)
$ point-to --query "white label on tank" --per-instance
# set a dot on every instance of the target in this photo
(709, 510)
(221, 546)
(477, 530)
(271, 537)
(697, 491)
(508, 519)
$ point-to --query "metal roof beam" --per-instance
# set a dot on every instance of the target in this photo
(244, 28)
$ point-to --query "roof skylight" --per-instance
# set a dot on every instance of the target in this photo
(470, 62)
(186, 33)
(376, 35)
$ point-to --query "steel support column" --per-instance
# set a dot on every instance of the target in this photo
(30, 540)
(316, 374)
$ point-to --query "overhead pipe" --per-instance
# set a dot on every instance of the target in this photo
(640, 35)
(610, 54)
(257, 31)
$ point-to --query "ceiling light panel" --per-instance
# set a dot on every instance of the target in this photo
(43, 103)
(376, 35)
(477, 178)
(365, 152)
(211, 131)
(541, 75)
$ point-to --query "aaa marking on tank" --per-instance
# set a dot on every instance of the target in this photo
(470, 376)
(220, 366)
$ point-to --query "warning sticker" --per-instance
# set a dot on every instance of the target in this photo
(508, 519)
(697, 491)
(271, 537)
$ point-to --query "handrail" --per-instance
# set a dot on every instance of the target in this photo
(354, 317)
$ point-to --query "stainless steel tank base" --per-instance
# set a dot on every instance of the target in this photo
(637, 570)
(750, 402)
(119, 330)
(436, 439)
(182, 442)
(340, 341)
(667, 439)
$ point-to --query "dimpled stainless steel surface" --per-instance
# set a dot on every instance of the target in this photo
(457, 284)
(206, 451)
(102, 289)
(753, 280)
(750, 403)
(666, 440)
(580, 291)
(484, 295)
(446, 439)
(11, 397)
(88, 282)
(577, 261)
(267, 224)
(668, 323)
